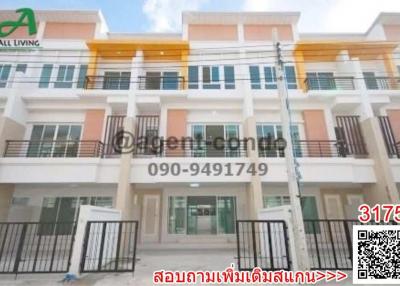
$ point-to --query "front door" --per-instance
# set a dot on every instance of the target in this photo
(215, 147)
(151, 218)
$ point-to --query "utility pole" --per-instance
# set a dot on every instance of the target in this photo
(291, 164)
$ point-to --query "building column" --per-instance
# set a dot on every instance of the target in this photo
(125, 191)
(384, 190)
(254, 188)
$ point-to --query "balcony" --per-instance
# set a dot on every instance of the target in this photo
(394, 150)
(382, 83)
(108, 82)
(316, 149)
(161, 82)
(329, 83)
(53, 149)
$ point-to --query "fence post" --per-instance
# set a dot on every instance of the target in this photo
(348, 240)
(253, 235)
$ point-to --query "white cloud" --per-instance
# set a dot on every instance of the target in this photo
(328, 15)
(166, 15)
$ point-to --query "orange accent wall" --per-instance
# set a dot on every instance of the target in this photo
(264, 32)
(392, 32)
(394, 117)
(82, 31)
(213, 32)
(315, 129)
(93, 126)
(176, 127)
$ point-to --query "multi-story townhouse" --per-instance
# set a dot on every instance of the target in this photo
(63, 104)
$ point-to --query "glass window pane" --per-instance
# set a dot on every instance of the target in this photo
(170, 80)
(226, 215)
(193, 77)
(270, 78)
(176, 215)
(48, 214)
(206, 75)
(290, 77)
(229, 73)
(46, 147)
(82, 76)
(272, 201)
(255, 77)
(201, 215)
(45, 76)
(4, 74)
(310, 212)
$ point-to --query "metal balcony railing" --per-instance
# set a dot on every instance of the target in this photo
(54, 149)
(161, 83)
(108, 82)
(395, 151)
(382, 83)
(330, 83)
(311, 148)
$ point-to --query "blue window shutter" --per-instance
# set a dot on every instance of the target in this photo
(229, 73)
(45, 76)
(255, 77)
(4, 74)
(291, 77)
(215, 74)
(193, 77)
(82, 76)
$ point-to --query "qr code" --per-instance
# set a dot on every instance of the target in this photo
(376, 254)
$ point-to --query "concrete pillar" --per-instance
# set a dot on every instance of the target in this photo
(384, 190)
(6, 194)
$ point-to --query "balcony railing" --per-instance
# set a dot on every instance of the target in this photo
(394, 152)
(201, 148)
(108, 82)
(161, 83)
(382, 83)
(330, 83)
(55, 149)
(312, 148)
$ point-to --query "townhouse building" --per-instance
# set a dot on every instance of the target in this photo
(63, 104)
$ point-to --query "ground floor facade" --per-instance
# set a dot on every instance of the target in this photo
(179, 213)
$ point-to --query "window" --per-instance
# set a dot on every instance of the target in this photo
(290, 74)
(21, 68)
(229, 74)
(271, 132)
(270, 78)
(201, 215)
(4, 75)
(370, 80)
(321, 81)
(20, 201)
(65, 210)
(54, 141)
(170, 81)
(211, 77)
(65, 76)
(308, 206)
(117, 80)
(45, 76)
(193, 77)
(82, 76)
(255, 77)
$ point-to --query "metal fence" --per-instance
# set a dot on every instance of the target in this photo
(32, 247)
(262, 243)
(109, 246)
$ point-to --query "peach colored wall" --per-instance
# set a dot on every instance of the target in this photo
(392, 32)
(315, 129)
(264, 32)
(394, 117)
(81, 31)
(213, 32)
(93, 126)
(176, 127)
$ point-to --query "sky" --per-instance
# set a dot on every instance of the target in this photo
(165, 15)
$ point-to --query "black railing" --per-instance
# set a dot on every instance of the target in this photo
(109, 246)
(330, 83)
(262, 243)
(397, 148)
(200, 148)
(382, 83)
(310, 148)
(59, 149)
(32, 247)
(161, 82)
(108, 82)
